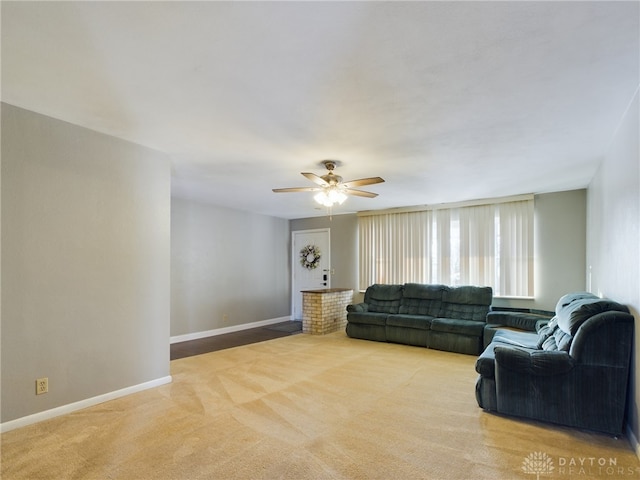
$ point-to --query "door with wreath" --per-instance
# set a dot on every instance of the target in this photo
(311, 264)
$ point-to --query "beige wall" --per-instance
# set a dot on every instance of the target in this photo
(613, 234)
(228, 267)
(560, 225)
(85, 263)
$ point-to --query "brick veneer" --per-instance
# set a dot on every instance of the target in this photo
(325, 311)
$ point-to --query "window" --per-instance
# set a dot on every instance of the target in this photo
(481, 244)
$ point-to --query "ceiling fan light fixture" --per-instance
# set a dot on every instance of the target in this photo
(330, 187)
(330, 196)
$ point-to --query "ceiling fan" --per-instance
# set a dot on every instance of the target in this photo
(332, 189)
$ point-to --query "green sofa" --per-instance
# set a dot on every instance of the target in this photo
(433, 316)
(573, 371)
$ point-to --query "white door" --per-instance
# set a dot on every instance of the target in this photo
(314, 272)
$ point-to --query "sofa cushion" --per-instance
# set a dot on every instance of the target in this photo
(558, 341)
(569, 298)
(468, 295)
(549, 344)
(421, 322)
(515, 338)
(573, 310)
(563, 340)
(485, 364)
(466, 303)
(419, 299)
(546, 331)
(551, 337)
(455, 325)
(367, 318)
(476, 313)
(383, 298)
(519, 320)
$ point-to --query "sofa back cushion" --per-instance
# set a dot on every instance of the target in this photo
(574, 309)
(550, 337)
(383, 298)
(466, 303)
(421, 299)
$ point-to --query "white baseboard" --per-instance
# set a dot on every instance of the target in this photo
(89, 402)
(221, 331)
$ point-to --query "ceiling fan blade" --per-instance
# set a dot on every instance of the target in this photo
(359, 193)
(316, 179)
(362, 181)
(297, 189)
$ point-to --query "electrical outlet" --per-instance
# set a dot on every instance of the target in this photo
(42, 385)
(225, 317)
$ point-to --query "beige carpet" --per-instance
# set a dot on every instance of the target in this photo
(310, 407)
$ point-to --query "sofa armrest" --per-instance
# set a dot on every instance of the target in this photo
(520, 320)
(538, 362)
(358, 307)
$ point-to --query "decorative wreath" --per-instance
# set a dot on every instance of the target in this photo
(310, 257)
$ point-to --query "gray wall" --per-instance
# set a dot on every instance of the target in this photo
(559, 248)
(344, 246)
(85, 263)
(613, 236)
(228, 267)
(560, 226)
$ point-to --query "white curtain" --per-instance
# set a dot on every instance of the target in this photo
(441, 247)
(477, 245)
(516, 249)
(488, 244)
(394, 248)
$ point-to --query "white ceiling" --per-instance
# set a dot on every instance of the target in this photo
(447, 101)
